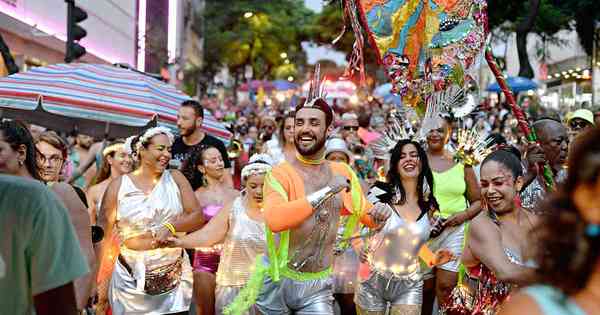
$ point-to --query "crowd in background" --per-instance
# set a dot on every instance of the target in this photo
(88, 175)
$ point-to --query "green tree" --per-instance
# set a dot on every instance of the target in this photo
(265, 35)
(544, 18)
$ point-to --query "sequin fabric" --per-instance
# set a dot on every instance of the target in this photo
(244, 242)
(535, 192)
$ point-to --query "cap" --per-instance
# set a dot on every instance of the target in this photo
(337, 145)
(583, 114)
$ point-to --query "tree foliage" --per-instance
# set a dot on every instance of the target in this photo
(234, 38)
(552, 17)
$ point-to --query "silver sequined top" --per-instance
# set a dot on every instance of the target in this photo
(245, 240)
(535, 192)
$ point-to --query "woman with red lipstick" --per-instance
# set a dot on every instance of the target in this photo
(499, 239)
(394, 284)
(206, 165)
(146, 207)
(457, 192)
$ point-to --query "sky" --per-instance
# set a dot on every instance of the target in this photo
(315, 53)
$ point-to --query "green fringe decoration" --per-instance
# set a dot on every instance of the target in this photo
(248, 295)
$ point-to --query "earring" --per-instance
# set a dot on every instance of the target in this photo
(21, 163)
(592, 230)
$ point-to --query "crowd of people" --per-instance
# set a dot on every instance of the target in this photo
(316, 209)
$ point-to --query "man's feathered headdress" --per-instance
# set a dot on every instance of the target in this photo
(316, 96)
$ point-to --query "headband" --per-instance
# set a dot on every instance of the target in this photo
(257, 165)
(112, 148)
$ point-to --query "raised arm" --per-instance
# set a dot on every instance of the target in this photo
(83, 167)
(485, 245)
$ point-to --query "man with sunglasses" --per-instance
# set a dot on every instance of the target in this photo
(581, 121)
(350, 128)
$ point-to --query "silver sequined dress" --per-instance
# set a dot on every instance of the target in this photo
(137, 213)
(245, 240)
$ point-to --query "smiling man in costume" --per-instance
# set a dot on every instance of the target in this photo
(304, 199)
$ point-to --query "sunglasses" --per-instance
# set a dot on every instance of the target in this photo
(353, 128)
(578, 124)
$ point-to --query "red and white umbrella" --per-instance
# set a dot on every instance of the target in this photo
(95, 99)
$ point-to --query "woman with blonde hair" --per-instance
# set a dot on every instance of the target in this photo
(116, 162)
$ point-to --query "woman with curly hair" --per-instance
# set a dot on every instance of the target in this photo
(206, 165)
(569, 241)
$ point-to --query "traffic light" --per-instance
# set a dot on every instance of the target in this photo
(74, 32)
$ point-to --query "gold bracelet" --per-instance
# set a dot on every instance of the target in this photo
(171, 228)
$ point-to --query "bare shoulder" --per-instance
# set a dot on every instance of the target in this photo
(532, 217)
(114, 185)
(520, 303)
(178, 176)
(62, 189)
(481, 226)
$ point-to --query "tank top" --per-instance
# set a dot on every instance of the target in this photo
(245, 240)
(449, 189)
(206, 259)
(553, 302)
(137, 212)
(398, 244)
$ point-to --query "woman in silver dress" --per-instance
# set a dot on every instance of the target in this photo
(391, 282)
(146, 207)
(240, 226)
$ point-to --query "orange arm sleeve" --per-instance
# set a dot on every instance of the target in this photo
(281, 215)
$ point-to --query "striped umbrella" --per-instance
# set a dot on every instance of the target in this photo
(99, 100)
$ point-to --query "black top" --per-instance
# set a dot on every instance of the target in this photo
(181, 151)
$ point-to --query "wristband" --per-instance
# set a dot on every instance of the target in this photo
(317, 198)
(170, 227)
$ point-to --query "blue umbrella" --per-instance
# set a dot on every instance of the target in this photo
(516, 84)
(283, 85)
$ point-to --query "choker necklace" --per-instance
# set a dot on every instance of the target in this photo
(304, 160)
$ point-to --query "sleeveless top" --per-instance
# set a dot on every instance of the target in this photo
(245, 240)
(137, 213)
(397, 246)
(553, 302)
(449, 189)
(206, 259)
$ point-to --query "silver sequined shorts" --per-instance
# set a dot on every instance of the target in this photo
(224, 295)
(313, 297)
(377, 291)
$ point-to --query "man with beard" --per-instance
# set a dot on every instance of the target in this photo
(79, 154)
(553, 149)
(304, 199)
(189, 122)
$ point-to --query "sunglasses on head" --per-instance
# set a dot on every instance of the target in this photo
(353, 128)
